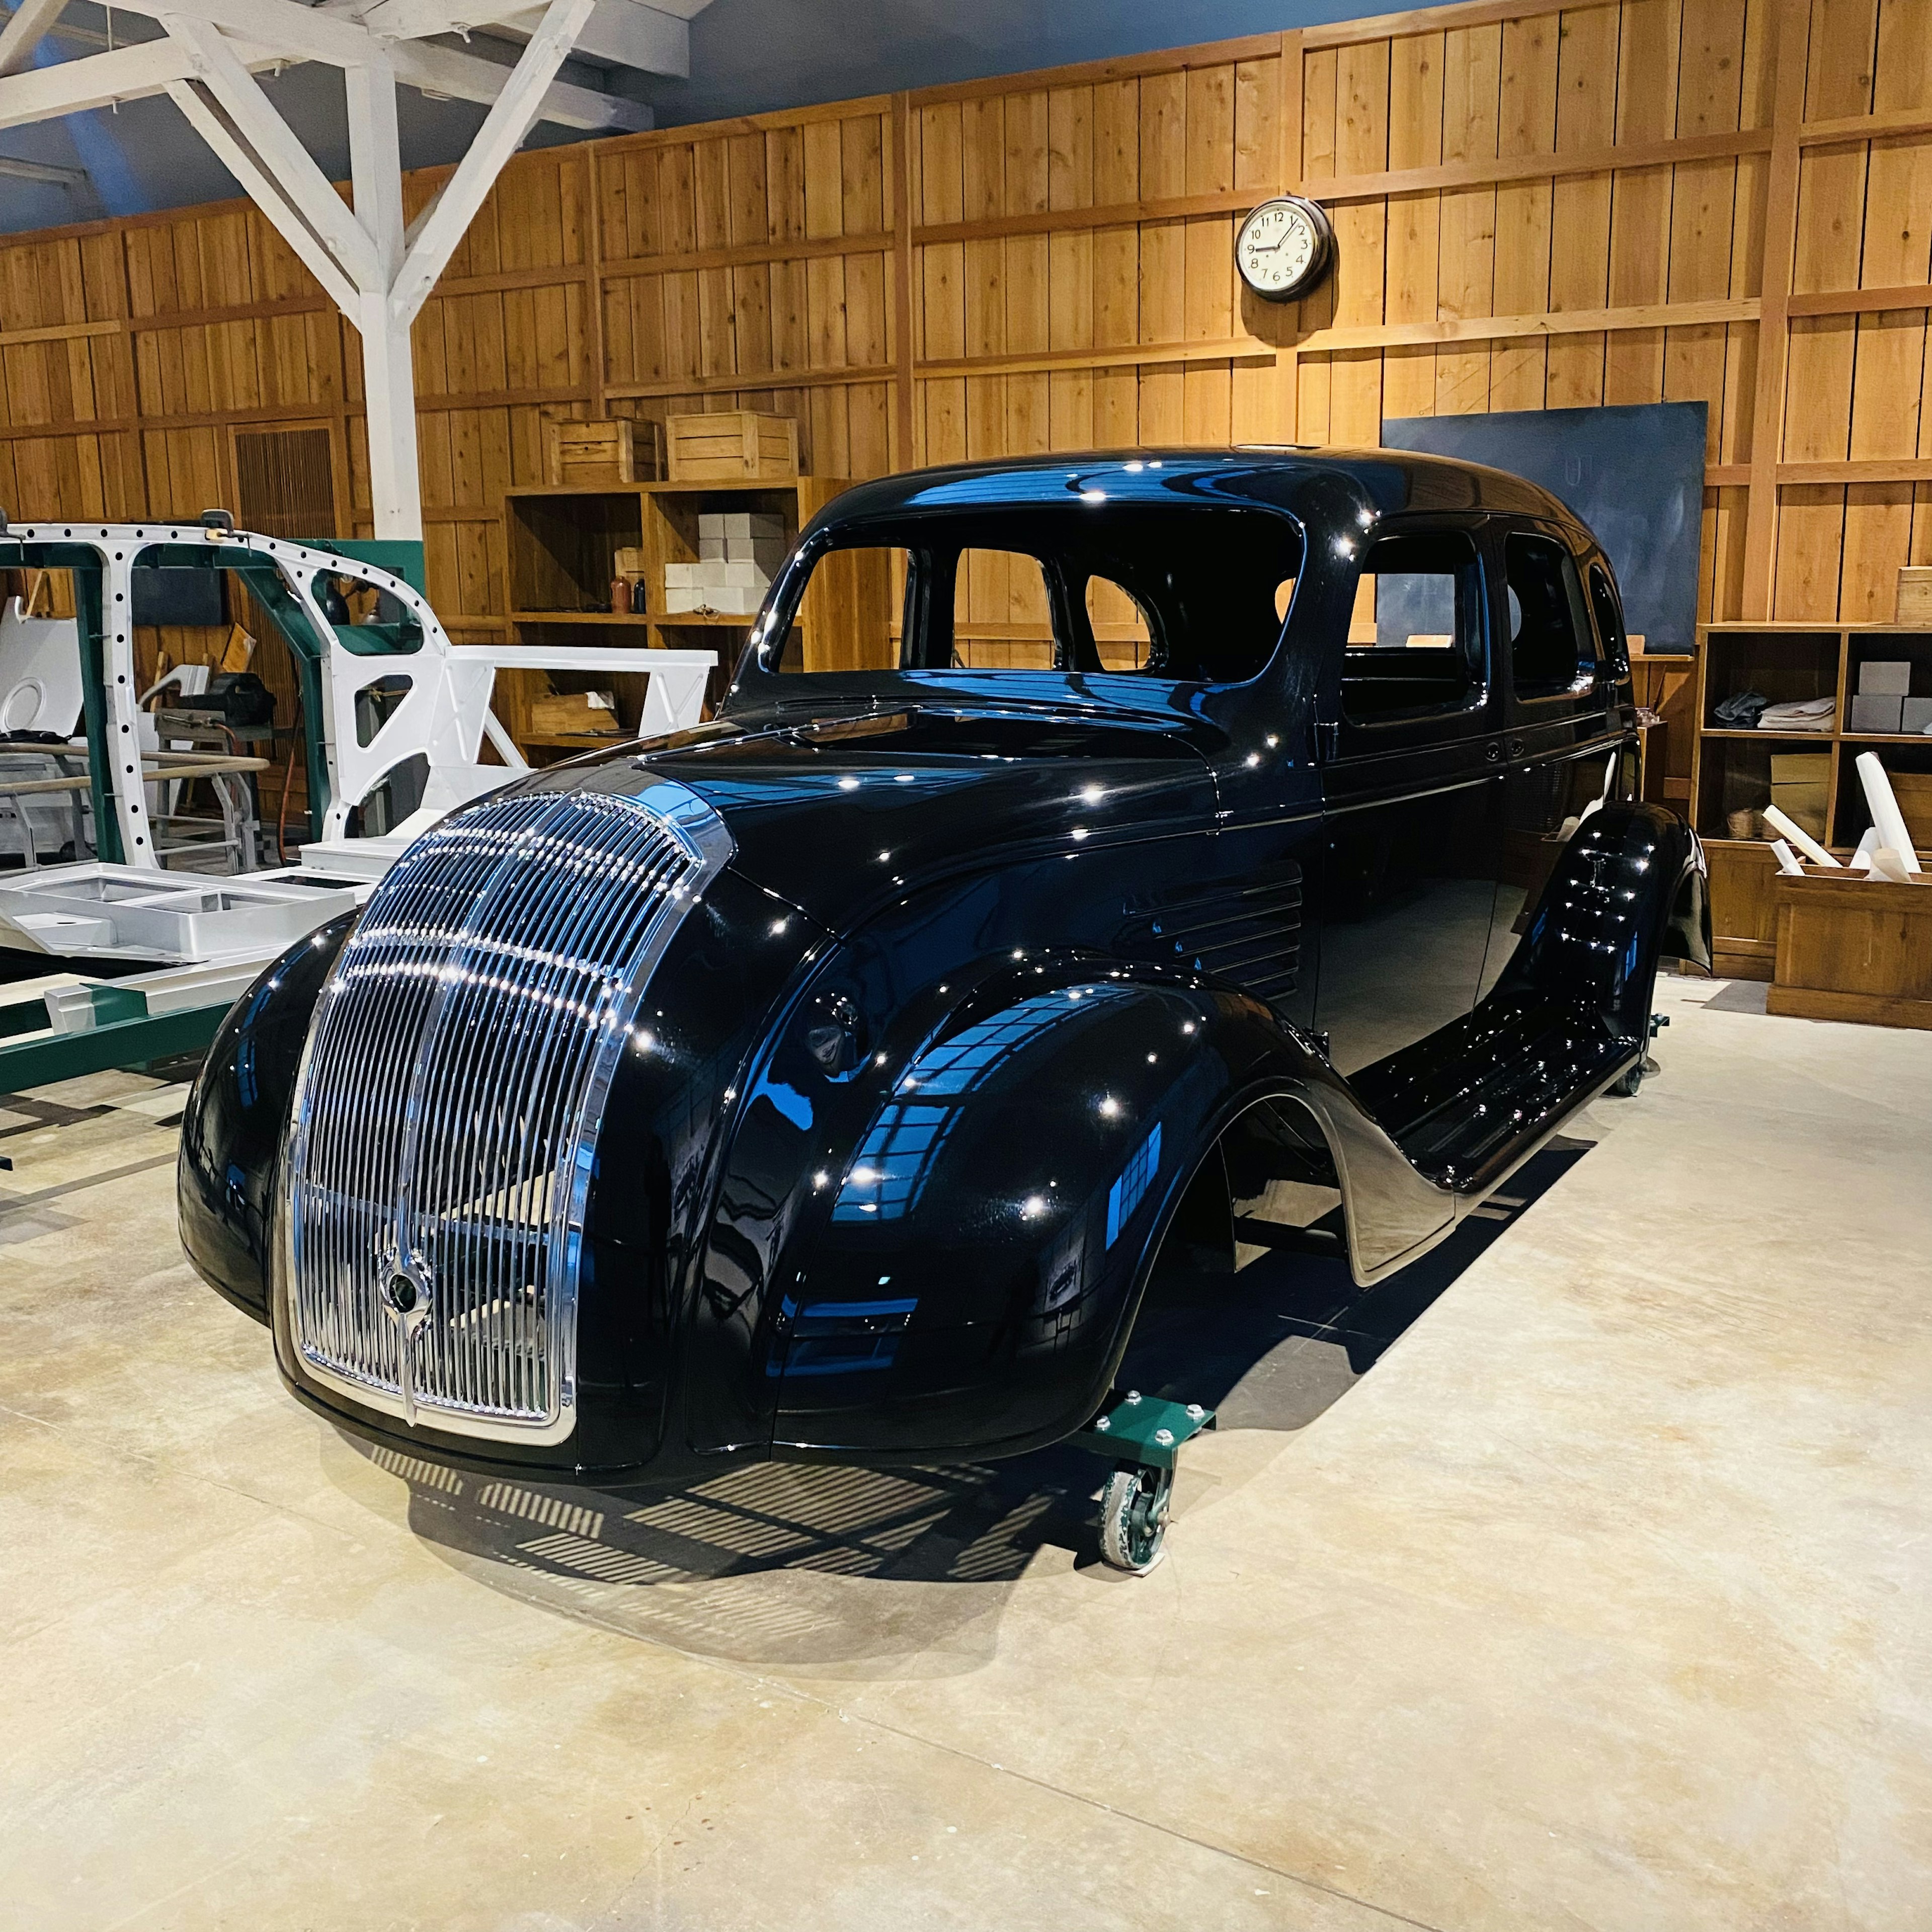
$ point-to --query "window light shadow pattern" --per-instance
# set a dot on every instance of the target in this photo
(902, 1146)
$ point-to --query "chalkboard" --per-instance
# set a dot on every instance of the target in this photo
(1635, 475)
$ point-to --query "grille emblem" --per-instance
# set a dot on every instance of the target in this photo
(407, 1300)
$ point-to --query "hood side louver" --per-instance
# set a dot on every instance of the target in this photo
(1247, 931)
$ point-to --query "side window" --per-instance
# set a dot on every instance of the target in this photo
(1121, 635)
(1609, 611)
(1001, 619)
(1415, 640)
(1552, 652)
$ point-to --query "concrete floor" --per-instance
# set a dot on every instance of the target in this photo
(1602, 1597)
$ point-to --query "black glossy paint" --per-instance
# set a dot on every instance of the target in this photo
(1012, 972)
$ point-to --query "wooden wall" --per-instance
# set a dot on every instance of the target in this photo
(1722, 200)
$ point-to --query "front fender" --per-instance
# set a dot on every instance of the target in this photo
(964, 1279)
(228, 1174)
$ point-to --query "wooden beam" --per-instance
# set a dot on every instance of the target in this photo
(205, 116)
(1774, 335)
(1862, 302)
(899, 211)
(58, 332)
(1122, 355)
(748, 255)
(1880, 469)
(747, 381)
(1550, 166)
(1115, 215)
(99, 80)
(24, 32)
(434, 234)
(1524, 327)
(1429, 20)
(290, 170)
(1866, 127)
(1127, 66)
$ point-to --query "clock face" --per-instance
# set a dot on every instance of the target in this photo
(1284, 248)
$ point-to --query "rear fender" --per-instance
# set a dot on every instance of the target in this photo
(1629, 889)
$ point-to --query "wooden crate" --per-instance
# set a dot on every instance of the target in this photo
(731, 446)
(616, 450)
(1851, 948)
(572, 713)
(1914, 595)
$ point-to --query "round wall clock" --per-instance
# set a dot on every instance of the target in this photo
(1285, 247)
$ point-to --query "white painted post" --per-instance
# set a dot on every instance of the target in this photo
(389, 367)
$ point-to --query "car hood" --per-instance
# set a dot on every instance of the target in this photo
(833, 814)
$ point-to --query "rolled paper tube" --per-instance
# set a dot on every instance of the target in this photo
(1799, 837)
(1884, 811)
(1861, 859)
(1787, 860)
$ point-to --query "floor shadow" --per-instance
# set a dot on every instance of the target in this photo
(1740, 996)
(758, 1564)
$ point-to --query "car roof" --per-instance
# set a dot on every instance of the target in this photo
(1316, 483)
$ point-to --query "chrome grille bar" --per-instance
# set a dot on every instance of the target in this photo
(446, 1115)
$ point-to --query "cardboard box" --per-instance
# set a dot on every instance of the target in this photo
(731, 446)
(1914, 595)
(1871, 712)
(1879, 677)
(1917, 714)
(1800, 788)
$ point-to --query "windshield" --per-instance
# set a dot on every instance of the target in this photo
(1190, 594)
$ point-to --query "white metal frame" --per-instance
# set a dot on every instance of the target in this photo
(445, 716)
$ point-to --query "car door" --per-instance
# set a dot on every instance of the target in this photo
(1561, 668)
(1412, 791)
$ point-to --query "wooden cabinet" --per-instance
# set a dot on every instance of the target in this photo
(561, 544)
(1732, 769)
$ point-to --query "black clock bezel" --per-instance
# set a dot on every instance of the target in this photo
(1319, 263)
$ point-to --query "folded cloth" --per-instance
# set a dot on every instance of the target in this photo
(1740, 710)
(1805, 714)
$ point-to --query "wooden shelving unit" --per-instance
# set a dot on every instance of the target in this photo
(1730, 769)
(560, 544)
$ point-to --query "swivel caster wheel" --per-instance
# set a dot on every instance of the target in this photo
(1133, 1518)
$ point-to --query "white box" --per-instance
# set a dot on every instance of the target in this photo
(679, 576)
(682, 598)
(751, 526)
(1878, 678)
(740, 577)
(717, 547)
(711, 523)
(766, 552)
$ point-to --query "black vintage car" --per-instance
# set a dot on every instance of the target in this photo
(1236, 849)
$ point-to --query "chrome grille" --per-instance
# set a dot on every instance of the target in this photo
(446, 1116)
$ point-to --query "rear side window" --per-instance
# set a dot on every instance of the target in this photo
(1415, 640)
(1552, 650)
(1609, 612)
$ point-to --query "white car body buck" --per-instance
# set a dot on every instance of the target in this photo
(129, 907)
